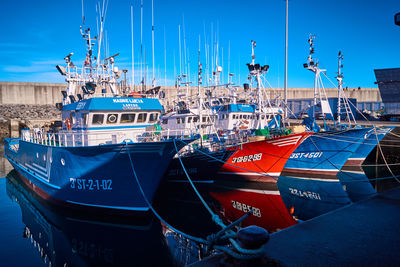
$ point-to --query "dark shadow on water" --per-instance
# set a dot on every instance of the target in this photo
(76, 240)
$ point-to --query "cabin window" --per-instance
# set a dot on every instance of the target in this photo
(178, 120)
(241, 116)
(98, 119)
(128, 117)
(183, 119)
(142, 117)
(112, 118)
(153, 117)
(84, 118)
(258, 116)
(165, 121)
(262, 117)
(195, 119)
(189, 119)
(204, 119)
(234, 116)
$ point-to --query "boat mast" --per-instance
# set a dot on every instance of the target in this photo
(256, 71)
(141, 43)
(314, 68)
(199, 82)
(152, 39)
(180, 65)
(313, 65)
(133, 55)
(165, 60)
(339, 78)
(286, 45)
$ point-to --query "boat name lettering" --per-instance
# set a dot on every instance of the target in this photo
(81, 105)
(95, 251)
(130, 106)
(90, 184)
(130, 100)
(174, 172)
(309, 155)
(306, 194)
(247, 158)
(246, 208)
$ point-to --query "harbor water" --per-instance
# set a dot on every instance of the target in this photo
(35, 234)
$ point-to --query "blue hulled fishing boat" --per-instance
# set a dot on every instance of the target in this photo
(108, 154)
(309, 182)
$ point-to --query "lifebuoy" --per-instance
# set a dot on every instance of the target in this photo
(68, 124)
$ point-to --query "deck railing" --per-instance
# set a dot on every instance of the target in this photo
(81, 138)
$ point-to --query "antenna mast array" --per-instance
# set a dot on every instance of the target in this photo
(339, 78)
(256, 70)
(312, 65)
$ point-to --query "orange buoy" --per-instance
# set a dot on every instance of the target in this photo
(68, 124)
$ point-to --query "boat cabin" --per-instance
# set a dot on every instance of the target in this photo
(243, 116)
(110, 120)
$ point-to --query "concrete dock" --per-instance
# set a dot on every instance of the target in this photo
(366, 233)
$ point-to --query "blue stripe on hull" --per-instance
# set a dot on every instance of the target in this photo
(311, 197)
(326, 151)
(98, 176)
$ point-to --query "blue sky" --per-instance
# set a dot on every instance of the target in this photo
(37, 35)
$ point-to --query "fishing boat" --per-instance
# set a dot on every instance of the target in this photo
(310, 182)
(241, 160)
(243, 140)
(104, 157)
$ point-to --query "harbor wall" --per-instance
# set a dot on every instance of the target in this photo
(27, 93)
(33, 104)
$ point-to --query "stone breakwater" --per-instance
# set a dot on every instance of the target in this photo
(25, 115)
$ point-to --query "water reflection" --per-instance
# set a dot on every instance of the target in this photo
(64, 240)
(5, 166)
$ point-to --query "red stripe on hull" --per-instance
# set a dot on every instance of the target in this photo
(353, 162)
(266, 156)
(309, 173)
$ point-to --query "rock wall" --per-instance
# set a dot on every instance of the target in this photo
(13, 117)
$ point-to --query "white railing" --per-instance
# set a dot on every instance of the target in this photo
(81, 138)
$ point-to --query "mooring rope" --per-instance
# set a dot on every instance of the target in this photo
(212, 239)
(384, 159)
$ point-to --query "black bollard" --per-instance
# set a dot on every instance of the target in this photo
(252, 237)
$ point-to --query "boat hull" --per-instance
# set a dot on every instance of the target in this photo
(260, 161)
(311, 197)
(309, 183)
(324, 153)
(374, 136)
(95, 177)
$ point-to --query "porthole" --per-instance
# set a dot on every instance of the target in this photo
(44, 157)
(112, 118)
(37, 155)
(62, 162)
(51, 159)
